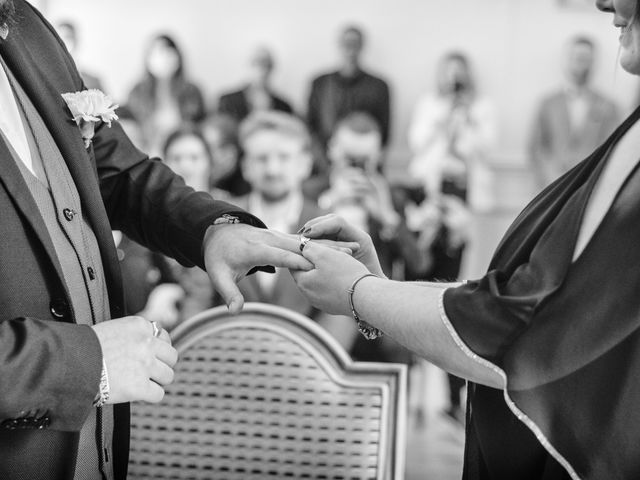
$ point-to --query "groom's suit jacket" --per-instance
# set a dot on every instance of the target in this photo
(49, 365)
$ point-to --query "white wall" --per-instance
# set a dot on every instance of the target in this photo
(516, 46)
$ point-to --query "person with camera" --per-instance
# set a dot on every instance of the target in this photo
(450, 134)
(359, 193)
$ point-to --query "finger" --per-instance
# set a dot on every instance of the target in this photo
(153, 393)
(351, 246)
(161, 373)
(165, 353)
(225, 284)
(314, 252)
(316, 220)
(329, 228)
(286, 241)
(286, 259)
(164, 335)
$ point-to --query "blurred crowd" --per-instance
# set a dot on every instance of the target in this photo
(252, 149)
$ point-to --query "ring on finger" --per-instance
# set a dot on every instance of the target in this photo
(156, 329)
(303, 242)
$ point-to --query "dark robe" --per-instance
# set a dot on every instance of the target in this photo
(565, 334)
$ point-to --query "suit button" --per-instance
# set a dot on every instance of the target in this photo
(10, 424)
(68, 214)
(59, 308)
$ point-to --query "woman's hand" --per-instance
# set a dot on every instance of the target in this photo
(333, 227)
(326, 285)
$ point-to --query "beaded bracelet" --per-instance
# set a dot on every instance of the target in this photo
(368, 331)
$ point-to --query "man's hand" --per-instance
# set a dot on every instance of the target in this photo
(232, 250)
(138, 364)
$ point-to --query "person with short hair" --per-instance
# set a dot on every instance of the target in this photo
(573, 120)
(277, 159)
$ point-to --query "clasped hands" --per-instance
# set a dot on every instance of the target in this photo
(323, 270)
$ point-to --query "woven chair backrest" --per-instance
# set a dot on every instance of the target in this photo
(269, 394)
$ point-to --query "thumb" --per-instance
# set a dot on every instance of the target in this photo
(313, 252)
(225, 284)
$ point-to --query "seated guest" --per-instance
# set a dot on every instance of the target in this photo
(277, 159)
(187, 153)
(165, 97)
(360, 194)
(221, 133)
(257, 94)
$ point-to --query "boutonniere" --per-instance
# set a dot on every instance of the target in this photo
(89, 107)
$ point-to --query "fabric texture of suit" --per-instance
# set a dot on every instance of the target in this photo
(236, 105)
(49, 365)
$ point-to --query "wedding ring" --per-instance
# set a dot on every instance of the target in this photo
(156, 330)
(303, 242)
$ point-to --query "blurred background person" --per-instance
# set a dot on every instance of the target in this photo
(257, 94)
(164, 98)
(69, 35)
(221, 133)
(132, 127)
(572, 121)
(187, 153)
(359, 193)
(150, 288)
(450, 135)
(277, 159)
(349, 89)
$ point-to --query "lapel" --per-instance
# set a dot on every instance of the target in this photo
(45, 88)
(11, 178)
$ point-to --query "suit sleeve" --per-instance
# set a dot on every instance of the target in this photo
(151, 204)
(49, 371)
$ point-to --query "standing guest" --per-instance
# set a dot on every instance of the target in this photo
(258, 94)
(349, 89)
(549, 337)
(572, 121)
(165, 97)
(450, 135)
(69, 35)
(277, 159)
(221, 133)
(71, 359)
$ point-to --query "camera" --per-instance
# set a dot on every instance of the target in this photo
(459, 85)
(357, 161)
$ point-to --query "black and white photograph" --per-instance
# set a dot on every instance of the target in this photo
(362, 240)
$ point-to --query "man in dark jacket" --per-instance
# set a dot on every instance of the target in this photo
(349, 89)
(70, 360)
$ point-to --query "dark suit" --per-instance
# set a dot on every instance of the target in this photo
(236, 104)
(49, 365)
(285, 293)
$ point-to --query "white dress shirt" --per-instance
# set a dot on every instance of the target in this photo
(11, 121)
